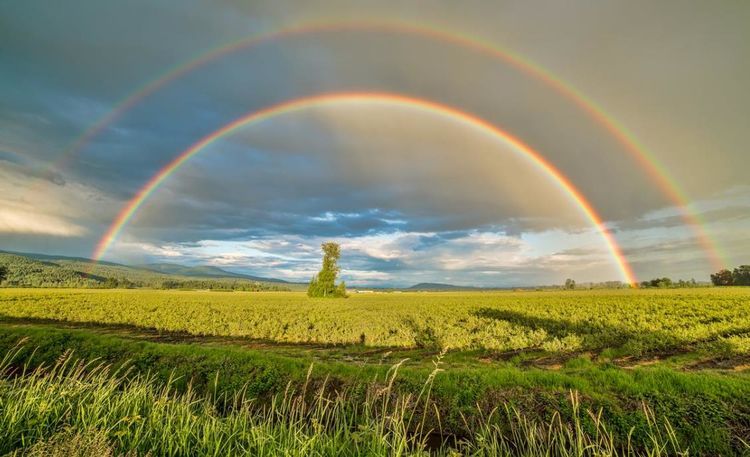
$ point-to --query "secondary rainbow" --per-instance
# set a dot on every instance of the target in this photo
(368, 97)
(653, 167)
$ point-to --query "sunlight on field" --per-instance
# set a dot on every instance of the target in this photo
(633, 321)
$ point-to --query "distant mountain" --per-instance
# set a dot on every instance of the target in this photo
(60, 258)
(41, 270)
(436, 286)
(204, 271)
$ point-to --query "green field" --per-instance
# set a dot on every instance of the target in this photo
(619, 322)
(682, 354)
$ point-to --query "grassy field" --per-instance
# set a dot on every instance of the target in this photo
(684, 355)
(628, 322)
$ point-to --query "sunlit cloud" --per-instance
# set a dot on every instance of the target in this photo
(25, 221)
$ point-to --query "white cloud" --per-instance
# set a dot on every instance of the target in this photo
(475, 257)
(15, 220)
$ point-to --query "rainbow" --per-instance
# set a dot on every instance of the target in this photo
(367, 97)
(657, 172)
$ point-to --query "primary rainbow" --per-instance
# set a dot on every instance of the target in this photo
(367, 97)
(653, 167)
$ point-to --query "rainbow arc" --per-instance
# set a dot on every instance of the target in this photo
(657, 172)
(534, 157)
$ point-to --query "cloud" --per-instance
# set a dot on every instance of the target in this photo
(411, 192)
(398, 258)
(14, 220)
(33, 205)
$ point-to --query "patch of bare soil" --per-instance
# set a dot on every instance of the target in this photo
(739, 363)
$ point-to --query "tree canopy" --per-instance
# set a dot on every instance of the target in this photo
(324, 283)
(740, 276)
(722, 278)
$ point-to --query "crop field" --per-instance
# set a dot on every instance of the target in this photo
(631, 322)
(608, 372)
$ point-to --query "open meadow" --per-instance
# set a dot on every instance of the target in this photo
(617, 322)
(483, 372)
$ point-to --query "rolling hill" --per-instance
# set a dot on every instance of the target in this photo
(204, 271)
(435, 286)
(39, 270)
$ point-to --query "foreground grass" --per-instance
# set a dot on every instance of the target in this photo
(709, 412)
(222, 354)
(73, 408)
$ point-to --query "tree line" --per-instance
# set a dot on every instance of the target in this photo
(668, 283)
(740, 276)
(655, 283)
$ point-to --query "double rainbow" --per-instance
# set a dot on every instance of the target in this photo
(454, 114)
(656, 171)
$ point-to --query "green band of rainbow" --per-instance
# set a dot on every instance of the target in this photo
(368, 97)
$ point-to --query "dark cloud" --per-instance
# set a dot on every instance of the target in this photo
(672, 74)
(719, 215)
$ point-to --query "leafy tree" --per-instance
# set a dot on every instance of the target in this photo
(570, 284)
(682, 284)
(340, 290)
(314, 287)
(324, 283)
(3, 273)
(741, 276)
(722, 278)
(661, 283)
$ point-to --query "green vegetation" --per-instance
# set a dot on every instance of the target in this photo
(683, 353)
(22, 271)
(50, 271)
(667, 283)
(705, 409)
(84, 409)
(324, 283)
(623, 322)
(740, 276)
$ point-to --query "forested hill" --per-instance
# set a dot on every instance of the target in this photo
(205, 271)
(37, 270)
(433, 286)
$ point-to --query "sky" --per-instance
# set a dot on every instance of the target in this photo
(411, 194)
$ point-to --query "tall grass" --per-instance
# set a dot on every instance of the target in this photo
(77, 408)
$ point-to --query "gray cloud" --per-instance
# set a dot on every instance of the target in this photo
(672, 73)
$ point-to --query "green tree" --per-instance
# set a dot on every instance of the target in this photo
(662, 283)
(340, 291)
(3, 273)
(741, 276)
(722, 278)
(324, 283)
(570, 284)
